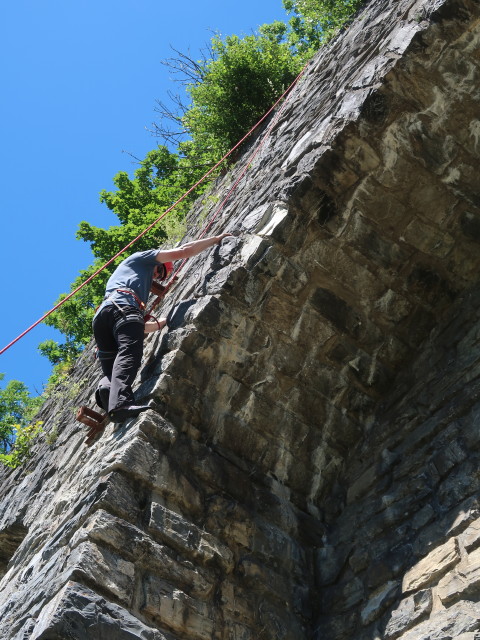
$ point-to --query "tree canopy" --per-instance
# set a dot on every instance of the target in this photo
(237, 85)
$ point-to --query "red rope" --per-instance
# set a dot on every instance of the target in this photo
(202, 179)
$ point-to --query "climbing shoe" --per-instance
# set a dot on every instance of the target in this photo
(124, 413)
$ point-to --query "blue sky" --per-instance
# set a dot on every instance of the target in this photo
(79, 82)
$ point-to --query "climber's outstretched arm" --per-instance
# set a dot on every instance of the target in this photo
(189, 249)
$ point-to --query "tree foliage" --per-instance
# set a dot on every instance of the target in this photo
(17, 407)
(158, 183)
(237, 85)
(314, 22)
(25, 436)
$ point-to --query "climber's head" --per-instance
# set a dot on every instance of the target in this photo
(164, 270)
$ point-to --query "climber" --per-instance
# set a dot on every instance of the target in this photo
(119, 325)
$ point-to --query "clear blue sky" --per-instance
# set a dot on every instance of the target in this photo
(79, 82)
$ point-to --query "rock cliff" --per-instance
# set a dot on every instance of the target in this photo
(309, 468)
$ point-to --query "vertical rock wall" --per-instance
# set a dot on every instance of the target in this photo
(308, 468)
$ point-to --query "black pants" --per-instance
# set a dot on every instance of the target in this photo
(119, 334)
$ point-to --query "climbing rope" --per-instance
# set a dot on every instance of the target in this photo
(155, 222)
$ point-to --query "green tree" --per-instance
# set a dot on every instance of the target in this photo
(233, 89)
(160, 180)
(314, 22)
(17, 407)
(25, 436)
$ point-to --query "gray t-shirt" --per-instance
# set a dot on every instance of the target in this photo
(135, 273)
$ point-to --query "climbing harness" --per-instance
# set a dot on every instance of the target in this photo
(132, 293)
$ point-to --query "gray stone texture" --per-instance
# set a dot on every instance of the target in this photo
(309, 467)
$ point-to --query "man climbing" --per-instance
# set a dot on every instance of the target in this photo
(119, 325)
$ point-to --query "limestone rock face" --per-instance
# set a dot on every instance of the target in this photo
(309, 467)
